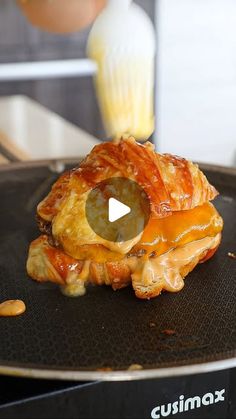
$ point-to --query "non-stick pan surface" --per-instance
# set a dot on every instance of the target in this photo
(106, 330)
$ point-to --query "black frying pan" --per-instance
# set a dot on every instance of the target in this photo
(100, 335)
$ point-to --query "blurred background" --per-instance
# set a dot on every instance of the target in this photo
(195, 84)
(196, 93)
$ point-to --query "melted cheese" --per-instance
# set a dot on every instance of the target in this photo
(75, 282)
(160, 235)
(76, 289)
(168, 270)
(164, 272)
(180, 228)
(71, 229)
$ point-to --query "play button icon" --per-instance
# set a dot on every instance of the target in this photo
(117, 209)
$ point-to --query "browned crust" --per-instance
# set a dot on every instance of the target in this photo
(171, 183)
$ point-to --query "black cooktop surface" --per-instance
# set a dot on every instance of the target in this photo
(107, 329)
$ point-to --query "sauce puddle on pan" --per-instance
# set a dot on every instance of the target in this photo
(10, 308)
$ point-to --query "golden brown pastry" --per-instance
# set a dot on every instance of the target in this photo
(172, 183)
(184, 227)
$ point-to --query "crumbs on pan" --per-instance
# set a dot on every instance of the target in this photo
(168, 332)
(232, 255)
(135, 367)
(152, 324)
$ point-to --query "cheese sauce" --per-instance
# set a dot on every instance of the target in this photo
(76, 289)
(180, 228)
(167, 251)
(10, 308)
(159, 236)
(168, 270)
(75, 286)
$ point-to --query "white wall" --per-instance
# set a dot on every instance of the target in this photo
(196, 95)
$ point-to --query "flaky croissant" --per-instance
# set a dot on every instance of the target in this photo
(184, 228)
(171, 183)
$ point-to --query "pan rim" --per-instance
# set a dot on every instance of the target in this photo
(122, 375)
(52, 164)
